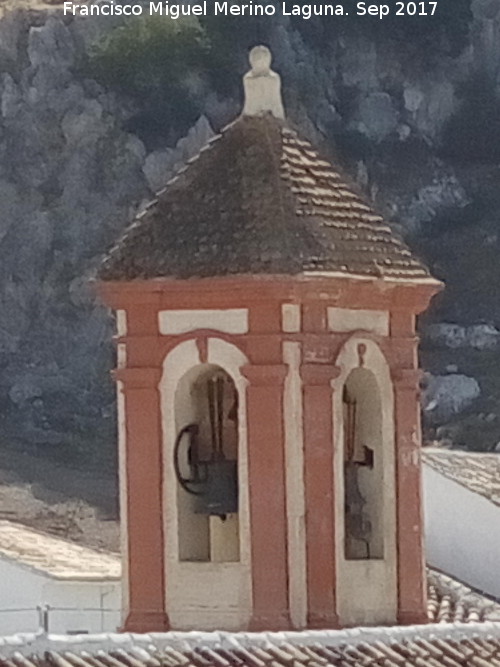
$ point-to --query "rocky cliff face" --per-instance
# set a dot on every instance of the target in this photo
(70, 179)
(421, 136)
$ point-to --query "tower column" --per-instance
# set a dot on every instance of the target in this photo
(319, 493)
(412, 603)
(146, 549)
(266, 480)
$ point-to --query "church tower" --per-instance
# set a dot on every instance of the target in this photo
(267, 391)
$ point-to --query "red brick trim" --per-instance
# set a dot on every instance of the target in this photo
(146, 621)
(314, 317)
(406, 379)
(267, 485)
(412, 595)
(138, 378)
(319, 494)
(412, 618)
(263, 375)
(245, 291)
(319, 374)
(144, 466)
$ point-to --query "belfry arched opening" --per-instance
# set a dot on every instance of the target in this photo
(206, 464)
(363, 459)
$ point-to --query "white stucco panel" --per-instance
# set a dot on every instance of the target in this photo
(343, 320)
(295, 494)
(290, 318)
(122, 478)
(121, 330)
(231, 321)
(121, 322)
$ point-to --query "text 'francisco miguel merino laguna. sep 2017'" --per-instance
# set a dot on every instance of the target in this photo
(213, 7)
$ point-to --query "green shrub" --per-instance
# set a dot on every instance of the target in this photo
(158, 62)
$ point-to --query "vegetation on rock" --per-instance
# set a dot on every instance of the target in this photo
(161, 65)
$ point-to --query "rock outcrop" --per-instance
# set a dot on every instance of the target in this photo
(72, 176)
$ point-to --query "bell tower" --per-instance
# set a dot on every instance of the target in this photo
(267, 391)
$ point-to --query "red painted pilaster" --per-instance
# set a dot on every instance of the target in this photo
(266, 481)
(319, 494)
(146, 547)
(412, 603)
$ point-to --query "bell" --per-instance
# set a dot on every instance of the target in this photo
(359, 527)
(220, 492)
(353, 498)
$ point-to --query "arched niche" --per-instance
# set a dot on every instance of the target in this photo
(363, 403)
(363, 460)
(197, 590)
(206, 462)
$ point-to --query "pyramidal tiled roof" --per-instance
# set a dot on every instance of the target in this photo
(476, 645)
(258, 199)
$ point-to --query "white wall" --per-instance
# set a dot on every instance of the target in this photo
(76, 605)
(295, 492)
(462, 532)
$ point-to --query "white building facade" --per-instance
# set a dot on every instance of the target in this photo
(47, 581)
(462, 516)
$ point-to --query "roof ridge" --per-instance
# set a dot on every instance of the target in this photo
(182, 168)
(277, 174)
(30, 644)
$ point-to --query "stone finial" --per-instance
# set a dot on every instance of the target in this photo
(262, 86)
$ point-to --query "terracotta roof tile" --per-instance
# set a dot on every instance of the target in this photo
(476, 645)
(259, 200)
(56, 557)
(478, 472)
(449, 601)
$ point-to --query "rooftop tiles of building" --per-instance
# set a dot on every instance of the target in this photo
(449, 601)
(55, 557)
(474, 645)
(478, 472)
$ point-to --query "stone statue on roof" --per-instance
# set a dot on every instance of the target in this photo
(262, 86)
